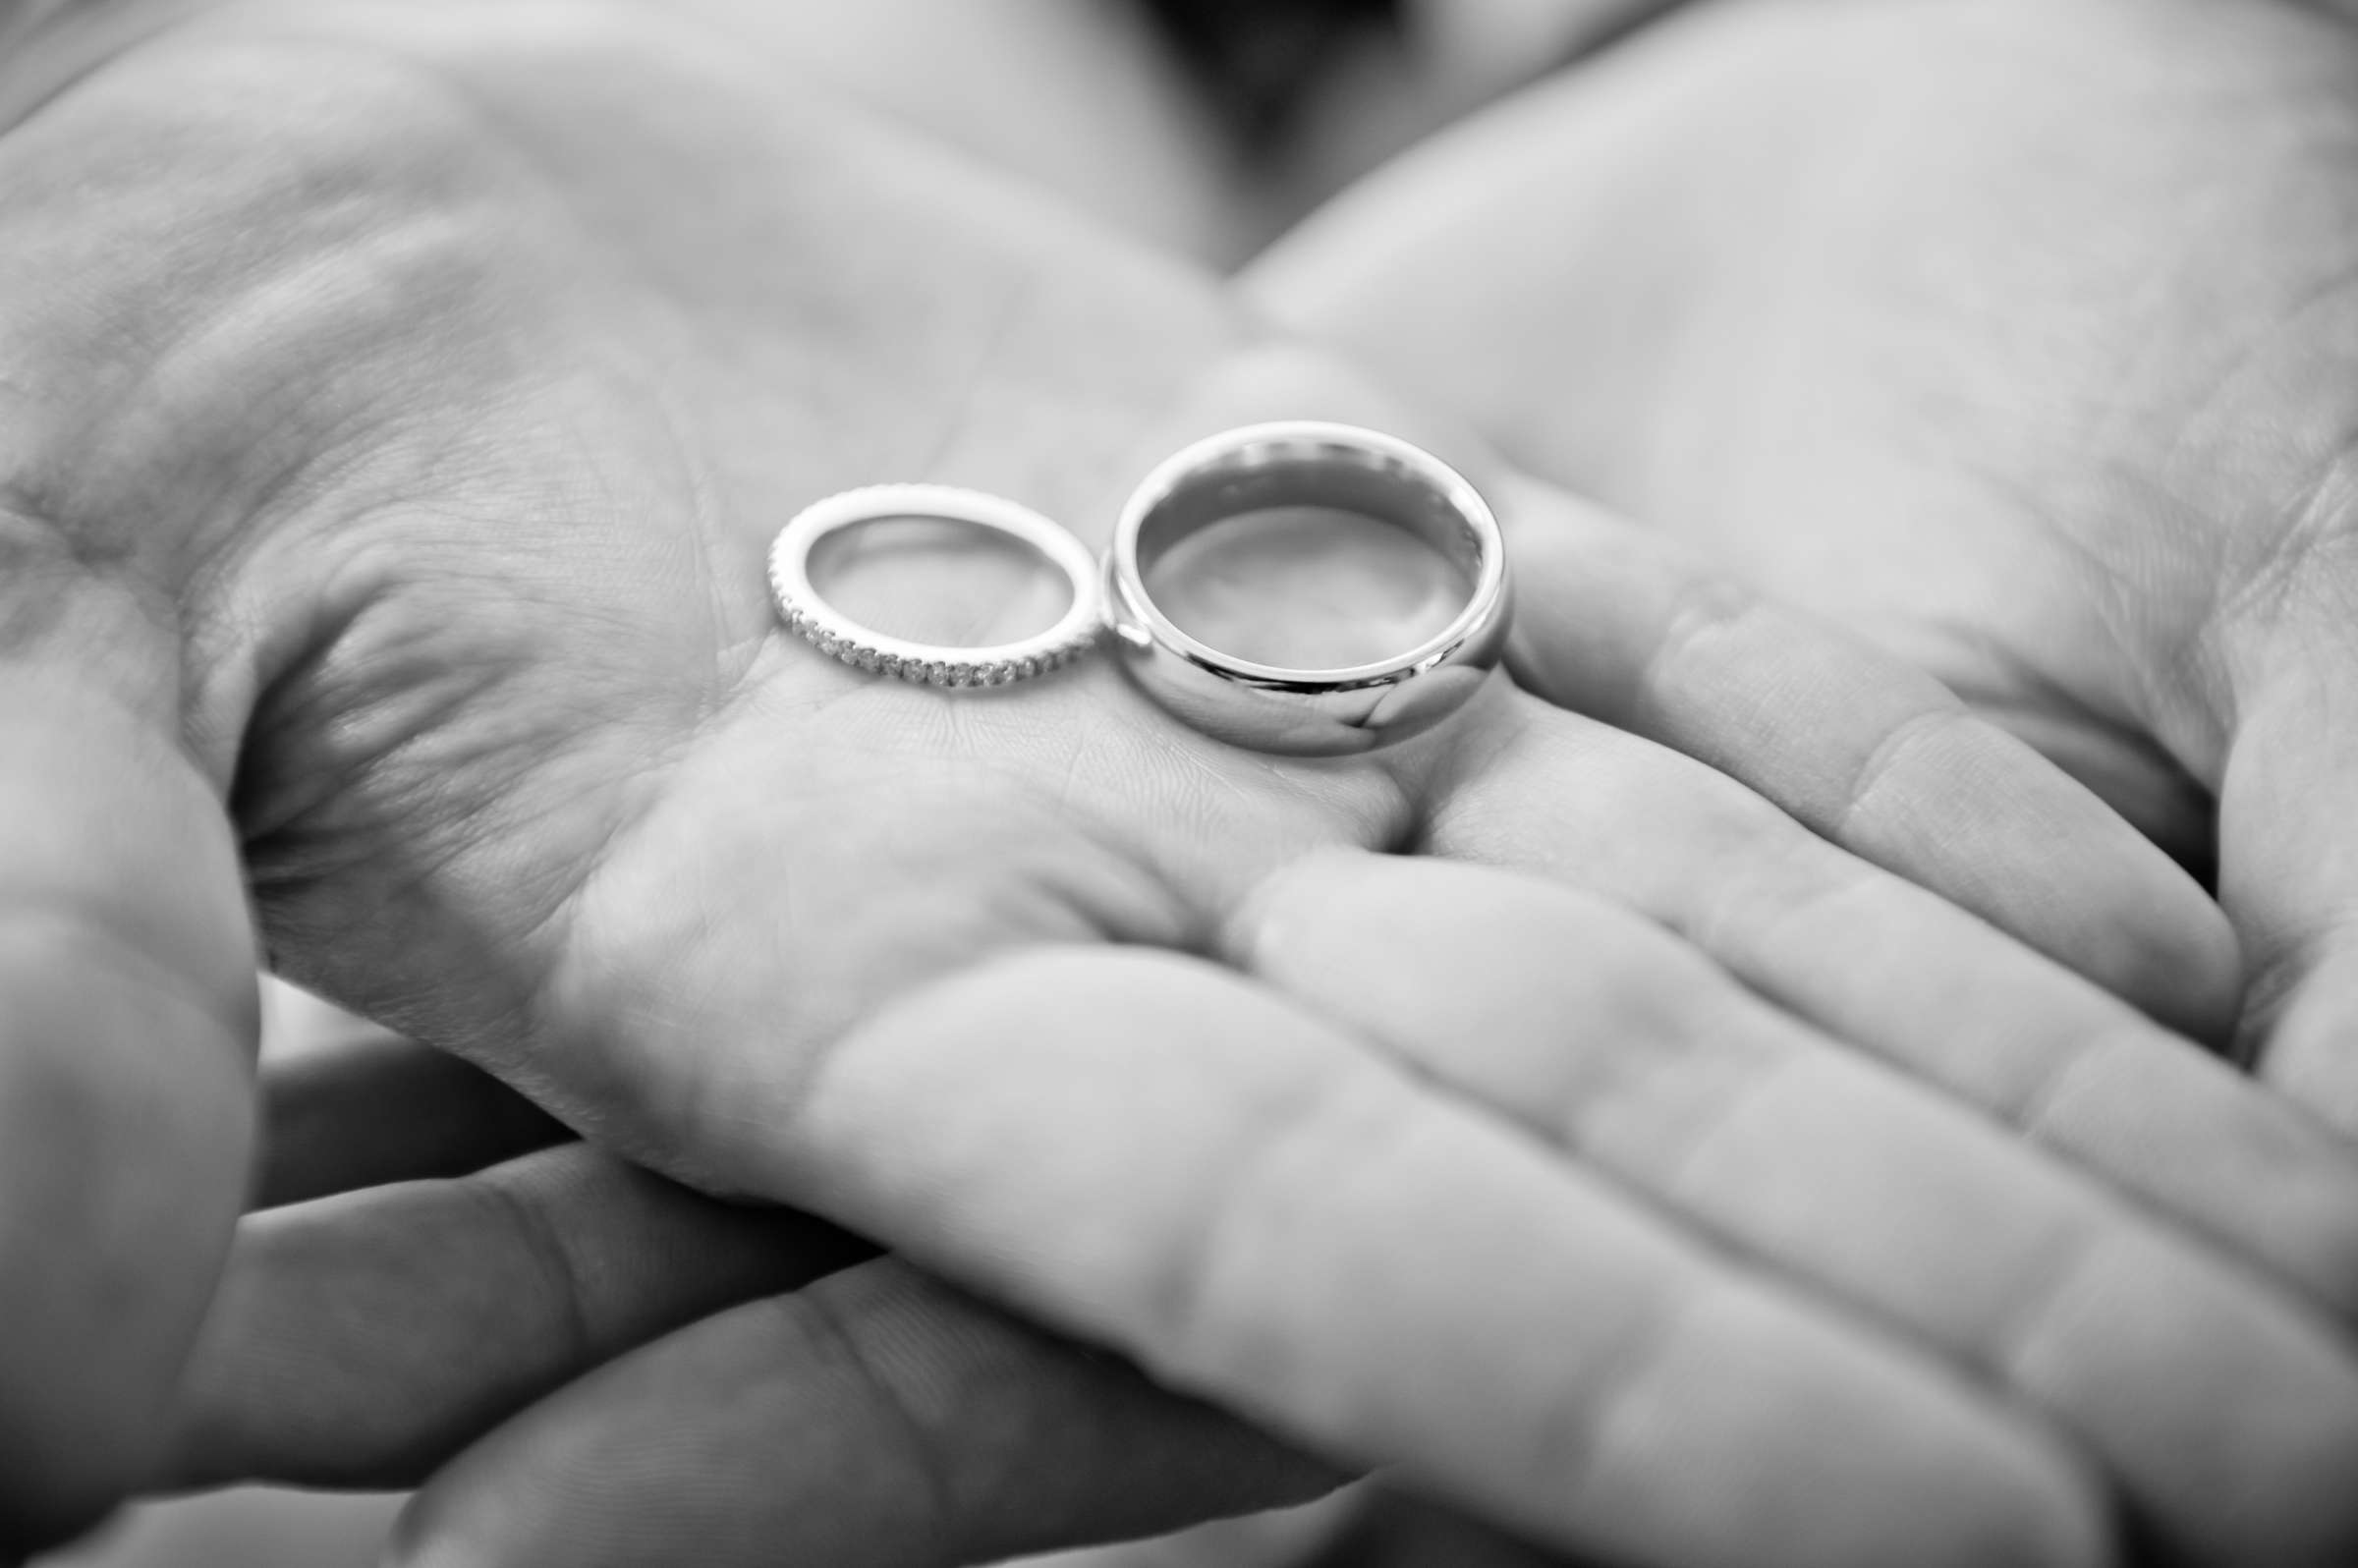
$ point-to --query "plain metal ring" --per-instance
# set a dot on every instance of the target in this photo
(1305, 711)
(811, 617)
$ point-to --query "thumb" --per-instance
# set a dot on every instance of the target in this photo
(127, 1030)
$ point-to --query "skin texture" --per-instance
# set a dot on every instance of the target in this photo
(402, 398)
(2015, 336)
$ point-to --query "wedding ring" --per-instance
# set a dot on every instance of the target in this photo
(1308, 712)
(811, 617)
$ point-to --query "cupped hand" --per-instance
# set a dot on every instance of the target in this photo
(2016, 336)
(401, 400)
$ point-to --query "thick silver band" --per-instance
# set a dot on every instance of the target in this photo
(831, 632)
(1300, 711)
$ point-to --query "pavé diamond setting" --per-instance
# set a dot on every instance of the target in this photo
(812, 618)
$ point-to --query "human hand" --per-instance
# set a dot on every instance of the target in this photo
(438, 1277)
(716, 1436)
(2015, 336)
(418, 389)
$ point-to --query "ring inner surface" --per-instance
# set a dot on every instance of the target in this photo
(946, 582)
(1267, 555)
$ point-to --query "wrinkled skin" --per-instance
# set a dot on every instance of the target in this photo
(402, 396)
(2016, 336)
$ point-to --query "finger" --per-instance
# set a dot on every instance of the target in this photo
(1886, 965)
(127, 1030)
(2289, 873)
(874, 1420)
(1267, 1216)
(1868, 752)
(361, 1340)
(366, 1108)
(2228, 1413)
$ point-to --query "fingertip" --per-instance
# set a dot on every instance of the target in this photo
(1830, 1451)
(2129, 916)
(2288, 872)
(1290, 899)
(1981, 1496)
(2301, 1030)
(1979, 816)
(1991, 1500)
(2179, 958)
(2229, 1414)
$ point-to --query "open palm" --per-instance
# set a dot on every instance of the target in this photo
(402, 483)
(2014, 335)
